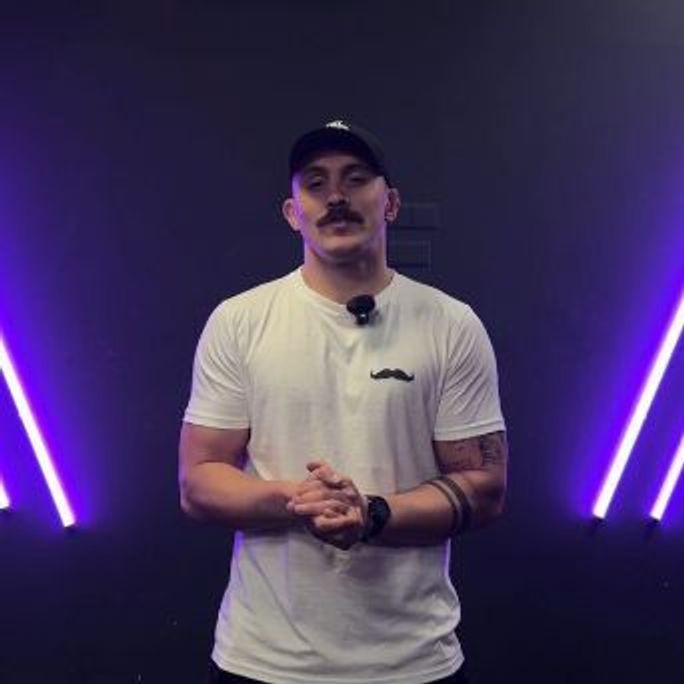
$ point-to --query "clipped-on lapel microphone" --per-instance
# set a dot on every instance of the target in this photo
(361, 308)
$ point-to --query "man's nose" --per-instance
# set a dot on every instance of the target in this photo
(336, 196)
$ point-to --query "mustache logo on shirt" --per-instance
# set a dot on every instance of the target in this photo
(396, 373)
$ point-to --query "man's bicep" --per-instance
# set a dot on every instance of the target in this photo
(201, 444)
(486, 453)
(475, 467)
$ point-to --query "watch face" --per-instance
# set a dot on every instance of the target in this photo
(378, 514)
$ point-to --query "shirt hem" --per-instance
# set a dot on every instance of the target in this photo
(395, 678)
(221, 423)
(470, 431)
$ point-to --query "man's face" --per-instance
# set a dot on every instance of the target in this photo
(341, 208)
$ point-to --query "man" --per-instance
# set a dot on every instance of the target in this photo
(345, 421)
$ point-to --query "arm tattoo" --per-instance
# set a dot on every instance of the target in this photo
(464, 522)
(492, 448)
(476, 453)
(455, 509)
(461, 508)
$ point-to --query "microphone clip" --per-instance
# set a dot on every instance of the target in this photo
(361, 307)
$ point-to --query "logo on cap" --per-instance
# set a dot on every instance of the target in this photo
(337, 124)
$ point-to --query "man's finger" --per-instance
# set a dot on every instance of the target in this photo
(328, 507)
(329, 476)
(323, 493)
(311, 486)
(336, 523)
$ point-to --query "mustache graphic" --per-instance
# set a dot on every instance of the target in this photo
(339, 213)
(396, 373)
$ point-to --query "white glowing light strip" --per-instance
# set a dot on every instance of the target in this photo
(4, 498)
(638, 416)
(673, 473)
(35, 437)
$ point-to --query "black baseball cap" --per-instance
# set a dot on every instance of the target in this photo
(341, 136)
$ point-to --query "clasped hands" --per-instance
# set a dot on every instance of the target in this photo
(330, 506)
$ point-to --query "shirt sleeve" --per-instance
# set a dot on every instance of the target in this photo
(469, 405)
(218, 396)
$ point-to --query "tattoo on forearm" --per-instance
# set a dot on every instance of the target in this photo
(466, 511)
(461, 508)
(455, 509)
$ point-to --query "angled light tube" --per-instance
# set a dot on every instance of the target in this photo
(640, 411)
(4, 498)
(35, 437)
(669, 484)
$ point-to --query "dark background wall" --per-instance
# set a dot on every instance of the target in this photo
(142, 166)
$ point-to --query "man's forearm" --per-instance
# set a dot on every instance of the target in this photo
(433, 512)
(223, 493)
(469, 494)
(428, 514)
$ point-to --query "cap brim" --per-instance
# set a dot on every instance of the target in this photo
(331, 139)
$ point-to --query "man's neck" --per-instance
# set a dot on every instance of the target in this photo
(341, 282)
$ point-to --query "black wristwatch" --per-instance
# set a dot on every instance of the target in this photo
(378, 514)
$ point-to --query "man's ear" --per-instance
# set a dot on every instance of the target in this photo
(290, 213)
(393, 205)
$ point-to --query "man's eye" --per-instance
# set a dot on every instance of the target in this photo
(358, 178)
(314, 183)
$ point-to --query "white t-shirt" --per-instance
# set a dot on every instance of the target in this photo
(297, 370)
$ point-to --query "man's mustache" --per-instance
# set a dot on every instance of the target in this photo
(392, 373)
(339, 214)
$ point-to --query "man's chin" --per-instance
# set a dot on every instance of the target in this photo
(345, 248)
(344, 253)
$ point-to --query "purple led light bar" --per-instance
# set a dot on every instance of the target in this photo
(40, 449)
(640, 411)
(4, 498)
(670, 482)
